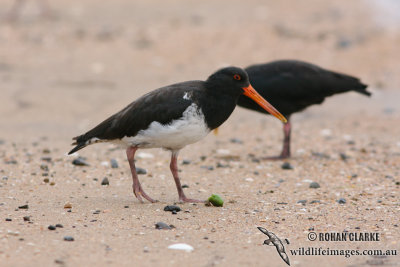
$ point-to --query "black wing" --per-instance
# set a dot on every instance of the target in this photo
(162, 105)
(291, 86)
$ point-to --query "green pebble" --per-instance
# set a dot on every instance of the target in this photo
(216, 200)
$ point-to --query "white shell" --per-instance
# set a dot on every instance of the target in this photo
(181, 246)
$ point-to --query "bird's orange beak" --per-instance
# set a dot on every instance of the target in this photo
(250, 92)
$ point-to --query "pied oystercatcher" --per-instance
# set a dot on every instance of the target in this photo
(291, 86)
(174, 116)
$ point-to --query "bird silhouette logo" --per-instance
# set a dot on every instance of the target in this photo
(273, 240)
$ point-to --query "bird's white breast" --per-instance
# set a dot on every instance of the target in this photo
(188, 129)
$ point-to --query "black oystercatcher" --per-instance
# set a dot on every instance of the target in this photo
(174, 116)
(291, 86)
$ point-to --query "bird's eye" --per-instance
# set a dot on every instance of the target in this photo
(237, 77)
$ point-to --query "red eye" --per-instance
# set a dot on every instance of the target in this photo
(237, 77)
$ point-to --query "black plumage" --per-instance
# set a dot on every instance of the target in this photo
(172, 117)
(291, 86)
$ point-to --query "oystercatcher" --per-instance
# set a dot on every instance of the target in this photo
(172, 117)
(291, 86)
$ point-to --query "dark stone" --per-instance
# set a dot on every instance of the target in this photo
(174, 212)
(105, 181)
(172, 208)
(287, 166)
(24, 207)
(51, 227)
(48, 159)
(59, 225)
(302, 201)
(341, 201)
(314, 185)
(79, 161)
(236, 141)
(186, 162)
(344, 157)
(126, 207)
(114, 163)
(140, 170)
(27, 218)
(185, 186)
(315, 201)
(162, 225)
(68, 238)
(8, 219)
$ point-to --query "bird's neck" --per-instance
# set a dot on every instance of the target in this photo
(217, 107)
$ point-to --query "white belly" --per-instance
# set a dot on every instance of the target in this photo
(173, 136)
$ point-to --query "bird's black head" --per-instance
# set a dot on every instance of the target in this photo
(233, 81)
(230, 80)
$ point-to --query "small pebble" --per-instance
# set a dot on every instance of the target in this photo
(140, 170)
(68, 238)
(341, 201)
(172, 208)
(302, 201)
(287, 166)
(315, 201)
(314, 185)
(80, 162)
(59, 225)
(24, 207)
(8, 219)
(44, 167)
(27, 218)
(51, 227)
(181, 246)
(236, 141)
(46, 180)
(185, 186)
(186, 162)
(162, 225)
(114, 163)
(67, 205)
(105, 181)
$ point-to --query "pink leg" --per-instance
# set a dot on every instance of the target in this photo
(137, 188)
(174, 169)
(286, 143)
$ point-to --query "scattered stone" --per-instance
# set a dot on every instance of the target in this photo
(126, 207)
(287, 166)
(105, 181)
(302, 201)
(46, 180)
(52, 183)
(67, 205)
(79, 161)
(181, 246)
(315, 201)
(8, 219)
(146, 250)
(114, 163)
(172, 208)
(24, 207)
(140, 170)
(236, 141)
(51, 227)
(27, 218)
(61, 262)
(44, 167)
(186, 162)
(163, 226)
(5, 178)
(48, 159)
(341, 201)
(68, 238)
(210, 168)
(314, 185)
(220, 165)
(185, 186)
(343, 156)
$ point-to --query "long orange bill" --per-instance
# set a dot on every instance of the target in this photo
(250, 92)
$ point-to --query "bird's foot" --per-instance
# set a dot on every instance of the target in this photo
(190, 200)
(139, 193)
